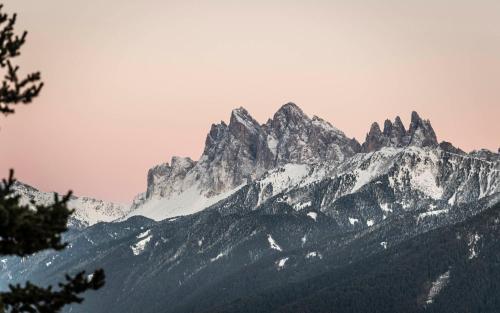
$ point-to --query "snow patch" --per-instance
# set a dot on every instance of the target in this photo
(87, 210)
(281, 263)
(437, 286)
(473, 251)
(353, 220)
(431, 213)
(425, 181)
(314, 254)
(319, 122)
(273, 243)
(220, 255)
(187, 202)
(452, 199)
(421, 175)
(144, 234)
(139, 246)
(299, 206)
(313, 215)
(283, 178)
(378, 163)
(370, 223)
(244, 120)
(385, 207)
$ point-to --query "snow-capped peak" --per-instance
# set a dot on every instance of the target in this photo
(88, 211)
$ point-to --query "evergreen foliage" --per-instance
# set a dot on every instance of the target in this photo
(29, 228)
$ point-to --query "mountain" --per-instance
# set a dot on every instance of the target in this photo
(294, 216)
(88, 211)
(420, 133)
(237, 153)
(450, 269)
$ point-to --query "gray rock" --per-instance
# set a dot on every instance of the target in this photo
(420, 134)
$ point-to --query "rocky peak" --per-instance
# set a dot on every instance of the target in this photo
(449, 147)
(304, 140)
(164, 178)
(419, 134)
(416, 121)
(289, 118)
(388, 127)
(290, 111)
(375, 139)
(243, 150)
(181, 164)
(485, 154)
(216, 134)
(398, 125)
(242, 122)
(155, 175)
(87, 211)
(398, 133)
(375, 129)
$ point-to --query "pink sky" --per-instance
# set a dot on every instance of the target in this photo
(131, 83)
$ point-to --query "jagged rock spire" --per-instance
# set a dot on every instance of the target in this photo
(375, 138)
(388, 127)
(291, 111)
(241, 120)
(215, 134)
(290, 117)
(243, 150)
(420, 133)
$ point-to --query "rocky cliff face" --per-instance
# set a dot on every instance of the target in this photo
(419, 134)
(314, 163)
(243, 150)
(302, 140)
(162, 178)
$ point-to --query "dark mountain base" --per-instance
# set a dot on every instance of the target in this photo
(399, 279)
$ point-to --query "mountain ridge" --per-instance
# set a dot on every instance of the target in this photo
(292, 204)
(243, 150)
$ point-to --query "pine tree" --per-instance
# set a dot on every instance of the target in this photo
(29, 228)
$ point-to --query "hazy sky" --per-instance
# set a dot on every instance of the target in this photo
(131, 83)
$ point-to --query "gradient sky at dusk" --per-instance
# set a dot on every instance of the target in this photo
(131, 83)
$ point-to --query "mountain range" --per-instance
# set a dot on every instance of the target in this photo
(293, 216)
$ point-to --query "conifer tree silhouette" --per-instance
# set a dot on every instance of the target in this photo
(29, 228)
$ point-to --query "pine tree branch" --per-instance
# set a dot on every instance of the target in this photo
(35, 299)
(14, 90)
(29, 228)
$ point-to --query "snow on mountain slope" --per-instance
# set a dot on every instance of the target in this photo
(307, 163)
(88, 211)
(236, 154)
(279, 180)
(371, 187)
(293, 196)
(432, 171)
(185, 202)
(293, 152)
